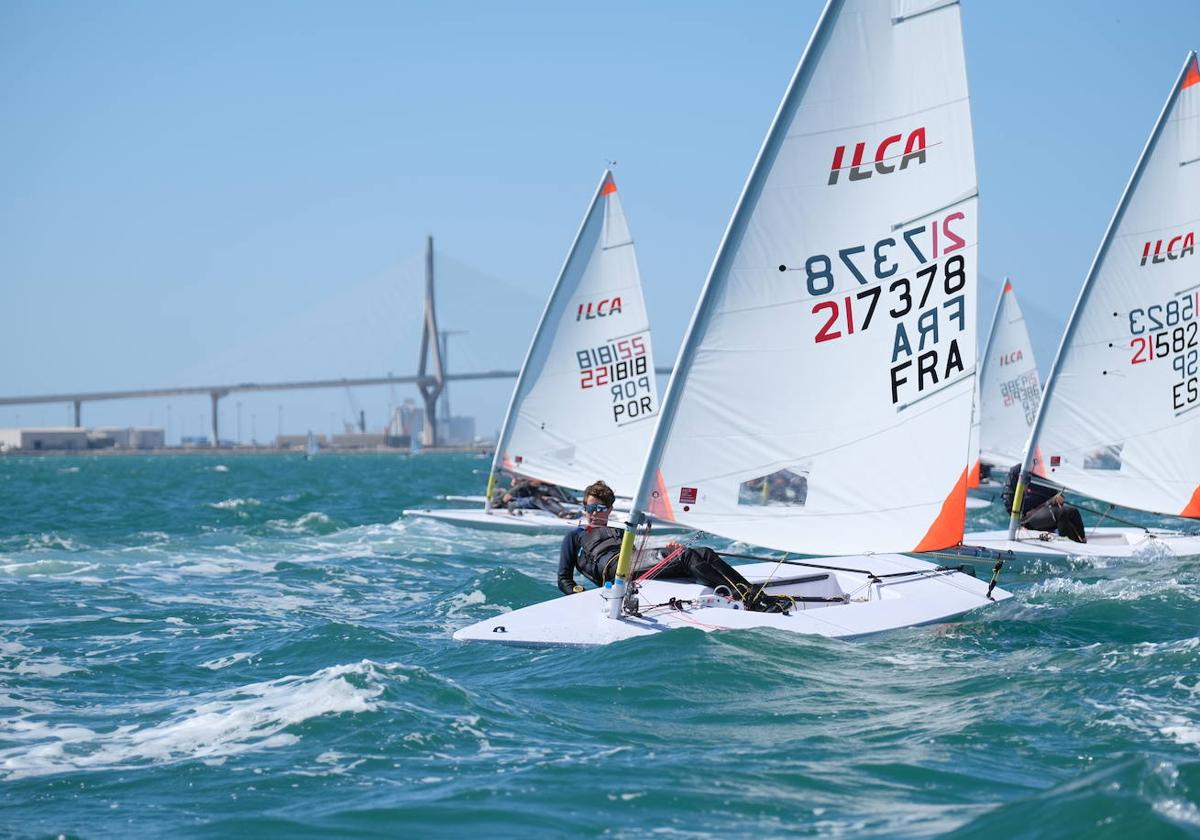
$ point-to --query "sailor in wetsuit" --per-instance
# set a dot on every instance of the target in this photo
(531, 494)
(592, 550)
(1043, 508)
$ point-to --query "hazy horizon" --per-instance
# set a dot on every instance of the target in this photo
(215, 194)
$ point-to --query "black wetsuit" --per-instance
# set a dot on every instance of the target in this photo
(593, 552)
(529, 496)
(1037, 512)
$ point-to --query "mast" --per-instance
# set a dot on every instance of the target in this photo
(506, 428)
(1027, 463)
(733, 233)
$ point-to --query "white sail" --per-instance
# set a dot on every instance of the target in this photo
(1010, 390)
(586, 397)
(973, 447)
(835, 336)
(1120, 416)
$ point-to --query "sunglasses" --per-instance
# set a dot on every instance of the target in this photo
(595, 508)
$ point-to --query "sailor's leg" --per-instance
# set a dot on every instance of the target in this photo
(1041, 518)
(1070, 524)
(706, 566)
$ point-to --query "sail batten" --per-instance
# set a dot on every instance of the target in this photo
(830, 342)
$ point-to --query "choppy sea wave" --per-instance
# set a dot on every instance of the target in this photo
(265, 649)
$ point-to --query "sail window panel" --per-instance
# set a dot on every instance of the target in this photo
(782, 487)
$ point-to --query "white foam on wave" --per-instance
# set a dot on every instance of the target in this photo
(209, 727)
(225, 661)
(154, 536)
(461, 600)
(234, 504)
(46, 567)
(1149, 717)
(332, 763)
(18, 660)
(1176, 646)
(52, 667)
(1114, 589)
(314, 518)
(220, 468)
(1179, 810)
(51, 542)
(220, 565)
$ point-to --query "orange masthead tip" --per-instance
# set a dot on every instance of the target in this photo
(1007, 287)
(1192, 76)
(610, 186)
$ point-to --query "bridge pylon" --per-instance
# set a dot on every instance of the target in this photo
(430, 344)
(216, 396)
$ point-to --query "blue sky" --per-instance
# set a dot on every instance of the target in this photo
(225, 192)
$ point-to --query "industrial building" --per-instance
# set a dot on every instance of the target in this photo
(38, 440)
(70, 439)
(129, 437)
(408, 421)
(299, 441)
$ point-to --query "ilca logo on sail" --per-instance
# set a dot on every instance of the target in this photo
(589, 311)
(914, 150)
(1185, 241)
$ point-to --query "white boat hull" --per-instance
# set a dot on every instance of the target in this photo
(978, 504)
(519, 522)
(927, 598)
(1102, 542)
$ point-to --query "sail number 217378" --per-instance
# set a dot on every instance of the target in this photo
(846, 314)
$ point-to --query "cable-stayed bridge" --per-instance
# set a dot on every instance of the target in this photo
(430, 379)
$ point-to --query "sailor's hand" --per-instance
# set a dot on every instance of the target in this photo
(576, 589)
(1058, 500)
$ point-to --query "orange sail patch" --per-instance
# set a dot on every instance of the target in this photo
(1007, 287)
(947, 529)
(973, 475)
(1193, 509)
(1192, 77)
(660, 505)
(610, 186)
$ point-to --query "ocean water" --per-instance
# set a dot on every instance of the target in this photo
(223, 646)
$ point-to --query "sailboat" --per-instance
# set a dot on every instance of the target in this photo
(1006, 397)
(586, 397)
(1119, 419)
(310, 446)
(1009, 388)
(835, 332)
